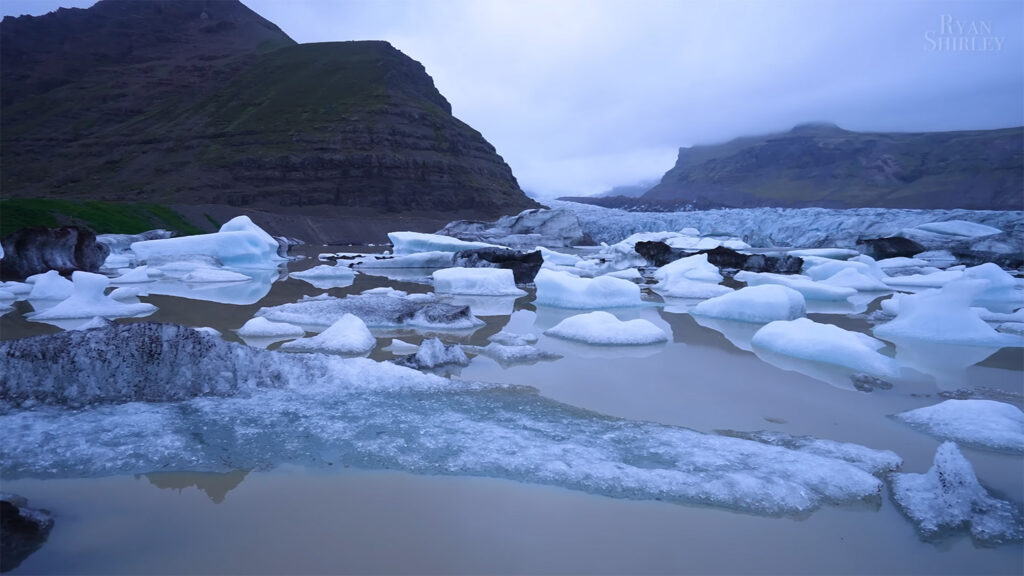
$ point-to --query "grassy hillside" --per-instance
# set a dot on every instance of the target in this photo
(100, 217)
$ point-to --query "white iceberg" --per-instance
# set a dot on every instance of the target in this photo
(213, 276)
(929, 280)
(755, 304)
(259, 327)
(400, 347)
(552, 258)
(49, 285)
(980, 423)
(809, 288)
(376, 309)
(476, 281)
(326, 276)
(602, 328)
(507, 338)
(563, 290)
(88, 301)
(137, 275)
(824, 343)
(430, 259)
(239, 243)
(949, 497)
(413, 242)
(348, 335)
(510, 355)
(690, 277)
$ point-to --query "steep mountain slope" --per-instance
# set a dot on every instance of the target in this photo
(824, 165)
(205, 102)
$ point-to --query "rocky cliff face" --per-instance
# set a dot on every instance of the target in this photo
(824, 165)
(205, 102)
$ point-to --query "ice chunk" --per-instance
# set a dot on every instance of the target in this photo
(401, 347)
(631, 274)
(867, 459)
(937, 258)
(348, 335)
(376, 310)
(21, 290)
(829, 253)
(980, 423)
(605, 329)
(959, 228)
(808, 340)
(944, 316)
(238, 243)
(552, 258)
(757, 304)
(1015, 328)
(510, 355)
(413, 242)
(949, 497)
(852, 278)
(262, 328)
(512, 339)
(213, 275)
(49, 286)
(932, 280)
(433, 353)
(810, 289)
(476, 281)
(690, 277)
(563, 290)
(433, 259)
(88, 300)
(1001, 289)
(324, 277)
(136, 275)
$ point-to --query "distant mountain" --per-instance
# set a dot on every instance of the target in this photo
(824, 165)
(629, 190)
(206, 102)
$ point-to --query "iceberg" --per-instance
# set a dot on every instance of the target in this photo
(137, 275)
(552, 258)
(262, 328)
(602, 328)
(88, 301)
(511, 355)
(326, 276)
(507, 338)
(433, 353)
(755, 304)
(949, 497)
(348, 335)
(239, 243)
(824, 343)
(392, 310)
(49, 286)
(413, 242)
(476, 281)
(690, 277)
(980, 423)
(213, 276)
(431, 259)
(809, 288)
(563, 290)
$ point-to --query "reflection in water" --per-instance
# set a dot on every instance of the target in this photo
(739, 333)
(838, 376)
(483, 305)
(216, 486)
(946, 363)
(248, 292)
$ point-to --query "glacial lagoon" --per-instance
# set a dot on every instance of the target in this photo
(400, 512)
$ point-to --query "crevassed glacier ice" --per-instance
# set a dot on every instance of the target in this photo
(949, 497)
(980, 423)
(376, 310)
(315, 409)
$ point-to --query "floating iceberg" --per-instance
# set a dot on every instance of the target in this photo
(432, 259)
(949, 497)
(376, 310)
(262, 328)
(49, 286)
(432, 353)
(507, 338)
(348, 335)
(510, 355)
(239, 243)
(690, 277)
(756, 304)
(980, 423)
(213, 276)
(563, 290)
(476, 281)
(413, 242)
(88, 301)
(137, 275)
(808, 340)
(552, 258)
(930, 280)
(602, 328)
(324, 277)
(809, 288)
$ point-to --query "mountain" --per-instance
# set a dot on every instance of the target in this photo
(205, 102)
(629, 190)
(823, 165)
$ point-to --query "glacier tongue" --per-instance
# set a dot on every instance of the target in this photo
(315, 409)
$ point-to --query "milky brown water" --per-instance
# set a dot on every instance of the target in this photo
(343, 520)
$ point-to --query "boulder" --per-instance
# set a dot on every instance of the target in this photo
(23, 530)
(524, 265)
(31, 251)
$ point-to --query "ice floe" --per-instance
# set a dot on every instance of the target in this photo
(347, 335)
(49, 286)
(563, 290)
(378, 310)
(976, 422)
(867, 459)
(213, 276)
(602, 328)
(88, 301)
(510, 355)
(239, 243)
(262, 328)
(432, 353)
(949, 497)
(755, 304)
(476, 281)
(326, 276)
(137, 275)
(690, 277)
(824, 343)
(809, 288)
(414, 242)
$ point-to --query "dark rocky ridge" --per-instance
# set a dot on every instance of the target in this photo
(825, 166)
(205, 102)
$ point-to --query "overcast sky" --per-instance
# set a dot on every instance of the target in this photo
(582, 95)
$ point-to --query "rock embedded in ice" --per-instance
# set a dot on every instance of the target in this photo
(50, 286)
(602, 328)
(755, 304)
(476, 281)
(949, 497)
(890, 247)
(558, 227)
(23, 530)
(213, 276)
(376, 310)
(809, 288)
(262, 328)
(943, 316)
(433, 353)
(88, 300)
(523, 265)
(29, 251)
(824, 343)
(348, 335)
(239, 243)
(405, 243)
(563, 290)
(980, 423)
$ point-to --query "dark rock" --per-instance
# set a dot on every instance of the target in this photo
(524, 265)
(35, 250)
(376, 310)
(660, 253)
(869, 383)
(23, 530)
(891, 247)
